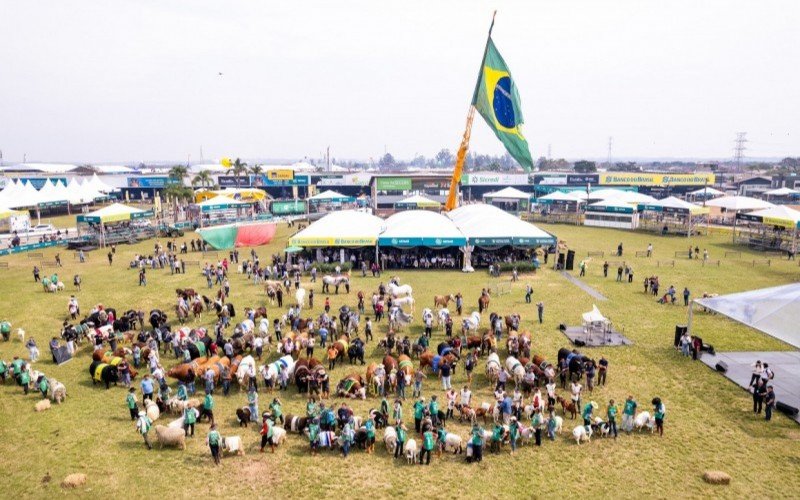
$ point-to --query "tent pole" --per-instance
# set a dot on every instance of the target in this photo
(691, 316)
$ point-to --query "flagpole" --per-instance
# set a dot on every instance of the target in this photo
(452, 195)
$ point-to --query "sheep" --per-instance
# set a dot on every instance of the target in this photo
(243, 416)
(42, 405)
(171, 437)
(60, 286)
(278, 435)
(559, 424)
(152, 409)
(21, 335)
(582, 433)
(357, 421)
(643, 420)
(602, 427)
(175, 405)
(178, 422)
(411, 451)
(74, 480)
(232, 444)
(58, 392)
(453, 442)
(390, 439)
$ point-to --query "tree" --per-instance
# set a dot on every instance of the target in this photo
(790, 163)
(387, 161)
(256, 170)
(178, 172)
(630, 166)
(418, 161)
(444, 157)
(585, 167)
(178, 191)
(203, 178)
(238, 168)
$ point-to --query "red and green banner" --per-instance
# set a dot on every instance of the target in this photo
(238, 235)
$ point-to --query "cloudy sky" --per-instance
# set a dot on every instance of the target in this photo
(139, 80)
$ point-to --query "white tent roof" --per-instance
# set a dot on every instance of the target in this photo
(49, 192)
(341, 228)
(26, 196)
(509, 192)
(737, 203)
(10, 192)
(114, 210)
(419, 200)
(99, 185)
(673, 202)
(610, 203)
(708, 190)
(113, 169)
(778, 212)
(773, 310)
(486, 223)
(594, 316)
(562, 196)
(784, 191)
(46, 168)
(328, 195)
(621, 195)
(421, 225)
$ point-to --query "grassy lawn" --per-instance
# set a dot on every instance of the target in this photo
(709, 423)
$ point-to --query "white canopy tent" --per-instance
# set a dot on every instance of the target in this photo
(739, 203)
(784, 191)
(344, 228)
(99, 185)
(509, 193)
(594, 316)
(487, 225)
(416, 228)
(706, 192)
(572, 196)
(773, 311)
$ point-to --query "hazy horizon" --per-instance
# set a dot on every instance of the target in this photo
(132, 81)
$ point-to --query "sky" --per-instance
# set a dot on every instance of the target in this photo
(129, 81)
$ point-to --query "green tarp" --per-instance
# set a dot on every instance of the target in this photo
(220, 237)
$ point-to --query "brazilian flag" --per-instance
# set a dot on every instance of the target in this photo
(497, 100)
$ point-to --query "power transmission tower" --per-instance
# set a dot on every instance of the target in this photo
(739, 149)
(610, 144)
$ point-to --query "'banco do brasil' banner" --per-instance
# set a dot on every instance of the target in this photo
(615, 178)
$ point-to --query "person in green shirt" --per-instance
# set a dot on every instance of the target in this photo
(277, 410)
(441, 435)
(182, 395)
(369, 425)
(427, 446)
(25, 380)
(419, 411)
(189, 419)
(397, 412)
(311, 408)
(497, 437)
(627, 414)
(313, 433)
(143, 425)
(477, 443)
(423, 342)
(537, 422)
(3, 370)
(433, 408)
(513, 434)
(385, 409)
(208, 407)
(552, 425)
(252, 402)
(214, 440)
(44, 385)
(16, 367)
(131, 402)
(587, 413)
(612, 418)
(659, 412)
(400, 429)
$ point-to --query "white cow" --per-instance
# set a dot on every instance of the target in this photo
(444, 313)
(453, 442)
(471, 322)
(400, 290)
(244, 367)
(493, 367)
(300, 297)
(516, 369)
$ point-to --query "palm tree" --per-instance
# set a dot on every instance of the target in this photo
(256, 170)
(203, 178)
(239, 167)
(178, 172)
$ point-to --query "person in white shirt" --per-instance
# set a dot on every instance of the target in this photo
(575, 390)
(551, 393)
(758, 370)
(466, 396)
(258, 343)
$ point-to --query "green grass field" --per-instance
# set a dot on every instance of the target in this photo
(709, 423)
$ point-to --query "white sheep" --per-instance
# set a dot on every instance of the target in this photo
(601, 426)
(411, 451)
(58, 391)
(21, 335)
(60, 286)
(390, 439)
(152, 409)
(42, 405)
(171, 437)
(278, 435)
(454, 443)
(232, 444)
(643, 420)
(582, 433)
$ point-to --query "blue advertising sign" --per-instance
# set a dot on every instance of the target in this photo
(151, 182)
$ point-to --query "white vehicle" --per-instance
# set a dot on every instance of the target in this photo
(42, 228)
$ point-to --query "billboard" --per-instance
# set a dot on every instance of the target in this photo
(152, 182)
(264, 180)
(393, 184)
(288, 207)
(282, 174)
(645, 179)
(494, 179)
(354, 179)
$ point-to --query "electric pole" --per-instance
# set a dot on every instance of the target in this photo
(610, 143)
(739, 149)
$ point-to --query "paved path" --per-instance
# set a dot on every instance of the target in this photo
(583, 286)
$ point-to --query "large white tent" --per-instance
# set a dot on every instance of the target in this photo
(415, 228)
(773, 311)
(620, 195)
(784, 191)
(487, 225)
(508, 193)
(706, 192)
(99, 185)
(344, 228)
(739, 203)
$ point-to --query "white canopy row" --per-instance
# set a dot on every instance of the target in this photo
(18, 194)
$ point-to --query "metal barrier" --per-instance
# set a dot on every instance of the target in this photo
(710, 263)
(762, 262)
(665, 263)
(596, 254)
(641, 253)
(733, 253)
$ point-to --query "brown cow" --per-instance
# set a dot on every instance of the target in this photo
(442, 300)
(474, 342)
(389, 363)
(568, 406)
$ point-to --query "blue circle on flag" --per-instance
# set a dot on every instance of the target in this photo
(503, 104)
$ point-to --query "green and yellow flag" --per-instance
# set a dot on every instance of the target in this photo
(497, 100)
